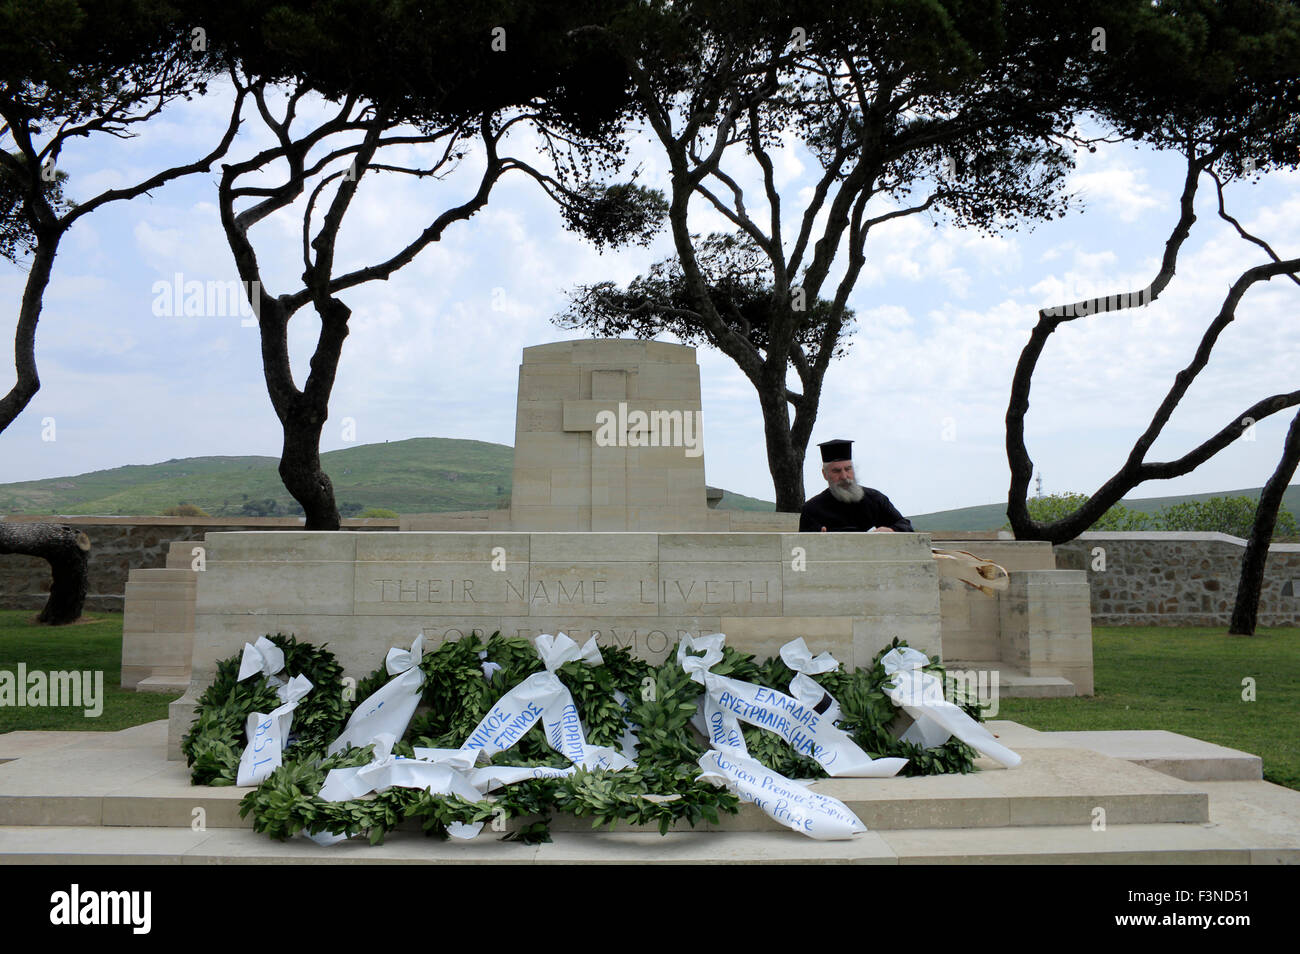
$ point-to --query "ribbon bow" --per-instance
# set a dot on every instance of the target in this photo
(697, 666)
(799, 658)
(904, 658)
(803, 687)
(293, 690)
(557, 650)
(399, 661)
(263, 656)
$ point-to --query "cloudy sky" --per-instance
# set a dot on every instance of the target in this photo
(942, 317)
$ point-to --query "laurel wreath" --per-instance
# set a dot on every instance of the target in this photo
(662, 789)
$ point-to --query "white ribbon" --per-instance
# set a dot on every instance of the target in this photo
(268, 733)
(443, 772)
(557, 650)
(715, 723)
(263, 656)
(543, 697)
(799, 657)
(790, 803)
(389, 710)
(808, 732)
(463, 759)
(564, 730)
(382, 719)
(920, 695)
(902, 659)
(491, 777)
(514, 714)
(440, 778)
(803, 687)
(399, 661)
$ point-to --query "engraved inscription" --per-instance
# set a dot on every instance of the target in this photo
(589, 592)
(670, 590)
(640, 641)
(427, 591)
(536, 592)
(436, 633)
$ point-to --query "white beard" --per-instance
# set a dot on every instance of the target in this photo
(852, 493)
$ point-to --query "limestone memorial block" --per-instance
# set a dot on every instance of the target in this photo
(363, 593)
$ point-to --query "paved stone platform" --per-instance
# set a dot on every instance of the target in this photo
(114, 798)
(1178, 755)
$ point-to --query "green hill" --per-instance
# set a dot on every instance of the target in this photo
(732, 501)
(983, 517)
(412, 476)
(420, 475)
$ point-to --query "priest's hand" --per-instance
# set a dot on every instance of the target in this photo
(884, 529)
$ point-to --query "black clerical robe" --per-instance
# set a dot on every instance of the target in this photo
(873, 510)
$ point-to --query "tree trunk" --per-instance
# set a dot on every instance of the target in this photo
(300, 467)
(66, 551)
(28, 382)
(303, 413)
(1246, 608)
(784, 463)
(301, 471)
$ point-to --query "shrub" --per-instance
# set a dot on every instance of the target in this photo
(1054, 507)
(1232, 515)
(185, 510)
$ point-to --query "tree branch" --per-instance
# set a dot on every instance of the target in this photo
(1022, 466)
(1223, 214)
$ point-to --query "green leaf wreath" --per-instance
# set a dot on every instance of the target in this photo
(662, 788)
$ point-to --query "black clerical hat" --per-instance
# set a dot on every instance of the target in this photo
(833, 451)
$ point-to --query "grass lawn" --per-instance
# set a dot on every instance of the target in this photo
(94, 645)
(1185, 680)
(1188, 680)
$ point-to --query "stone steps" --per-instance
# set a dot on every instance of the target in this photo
(1121, 844)
(122, 780)
(1182, 757)
(1016, 684)
(108, 797)
(897, 804)
(173, 683)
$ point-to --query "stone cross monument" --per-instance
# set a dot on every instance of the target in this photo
(608, 437)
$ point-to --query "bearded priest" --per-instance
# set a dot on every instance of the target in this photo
(845, 505)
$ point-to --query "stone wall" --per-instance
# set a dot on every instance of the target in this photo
(1178, 579)
(121, 544)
